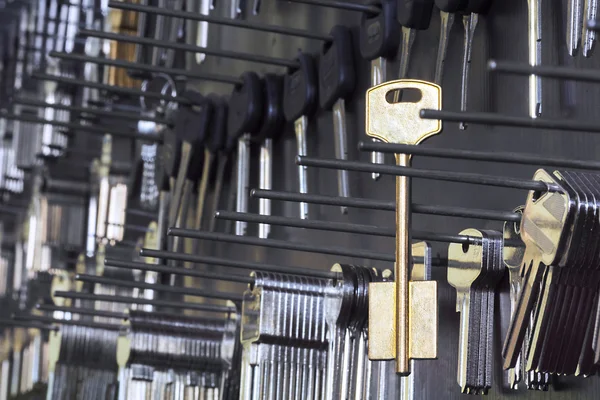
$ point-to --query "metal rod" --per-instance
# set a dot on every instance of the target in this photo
(341, 5)
(82, 128)
(547, 71)
(280, 244)
(593, 25)
(109, 113)
(193, 16)
(4, 322)
(9, 209)
(462, 177)
(50, 320)
(81, 311)
(345, 227)
(507, 120)
(147, 68)
(141, 301)
(283, 62)
(508, 157)
(160, 288)
(141, 213)
(448, 211)
(307, 223)
(178, 271)
(256, 266)
(130, 227)
(114, 89)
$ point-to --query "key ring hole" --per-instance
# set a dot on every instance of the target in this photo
(406, 95)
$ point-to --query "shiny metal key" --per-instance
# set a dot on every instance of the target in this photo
(470, 24)
(542, 231)
(300, 128)
(475, 270)
(341, 148)
(534, 40)
(447, 21)
(203, 187)
(414, 303)
(574, 25)
(513, 258)
(197, 32)
(464, 269)
(378, 76)
(589, 36)
(265, 181)
(242, 181)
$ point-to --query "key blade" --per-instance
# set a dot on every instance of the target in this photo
(402, 123)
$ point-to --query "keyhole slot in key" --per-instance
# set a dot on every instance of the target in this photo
(407, 95)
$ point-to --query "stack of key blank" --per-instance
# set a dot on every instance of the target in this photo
(475, 271)
(561, 274)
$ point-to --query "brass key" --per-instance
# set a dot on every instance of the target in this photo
(400, 123)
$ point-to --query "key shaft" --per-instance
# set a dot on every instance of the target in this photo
(534, 40)
(265, 183)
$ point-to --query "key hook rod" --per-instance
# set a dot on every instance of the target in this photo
(282, 62)
(81, 311)
(192, 16)
(462, 177)
(224, 262)
(89, 110)
(488, 156)
(346, 228)
(546, 71)
(160, 288)
(280, 244)
(507, 120)
(147, 68)
(340, 5)
(141, 213)
(593, 25)
(50, 320)
(448, 211)
(177, 271)
(82, 128)
(113, 89)
(141, 301)
(4, 322)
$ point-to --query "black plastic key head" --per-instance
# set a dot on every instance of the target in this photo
(451, 6)
(300, 88)
(189, 118)
(134, 181)
(415, 14)
(169, 157)
(336, 68)
(478, 6)
(217, 126)
(245, 107)
(379, 33)
(198, 123)
(273, 120)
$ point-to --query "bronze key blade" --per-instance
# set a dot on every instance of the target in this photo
(543, 232)
(399, 122)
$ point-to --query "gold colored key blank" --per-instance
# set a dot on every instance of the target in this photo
(402, 314)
